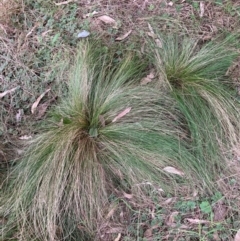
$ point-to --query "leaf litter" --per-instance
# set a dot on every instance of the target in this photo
(148, 78)
(35, 104)
(106, 19)
(120, 38)
(122, 114)
(7, 92)
(173, 170)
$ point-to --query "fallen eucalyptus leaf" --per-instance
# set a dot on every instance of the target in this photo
(124, 36)
(111, 212)
(106, 19)
(148, 78)
(7, 92)
(118, 237)
(197, 221)
(122, 114)
(35, 104)
(151, 29)
(173, 170)
(128, 196)
(158, 42)
(83, 34)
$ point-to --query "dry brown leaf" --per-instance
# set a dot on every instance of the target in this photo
(169, 200)
(118, 237)
(121, 215)
(110, 213)
(63, 3)
(148, 79)
(151, 33)
(150, 29)
(128, 196)
(171, 219)
(201, 9)
(7, 92)
(173, 170)
(122, 114)
(237, 236)
(25, 137)
(159, 43)
(106, 19)
(197, 221)
(124, 36)
(35, 104)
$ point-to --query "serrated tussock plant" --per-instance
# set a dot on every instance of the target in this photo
(196, 78)
(109, 134)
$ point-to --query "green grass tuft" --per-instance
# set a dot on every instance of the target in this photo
(196, 78)
(88, 150)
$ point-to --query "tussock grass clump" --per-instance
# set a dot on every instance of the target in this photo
(196, 78)
(110, 133)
